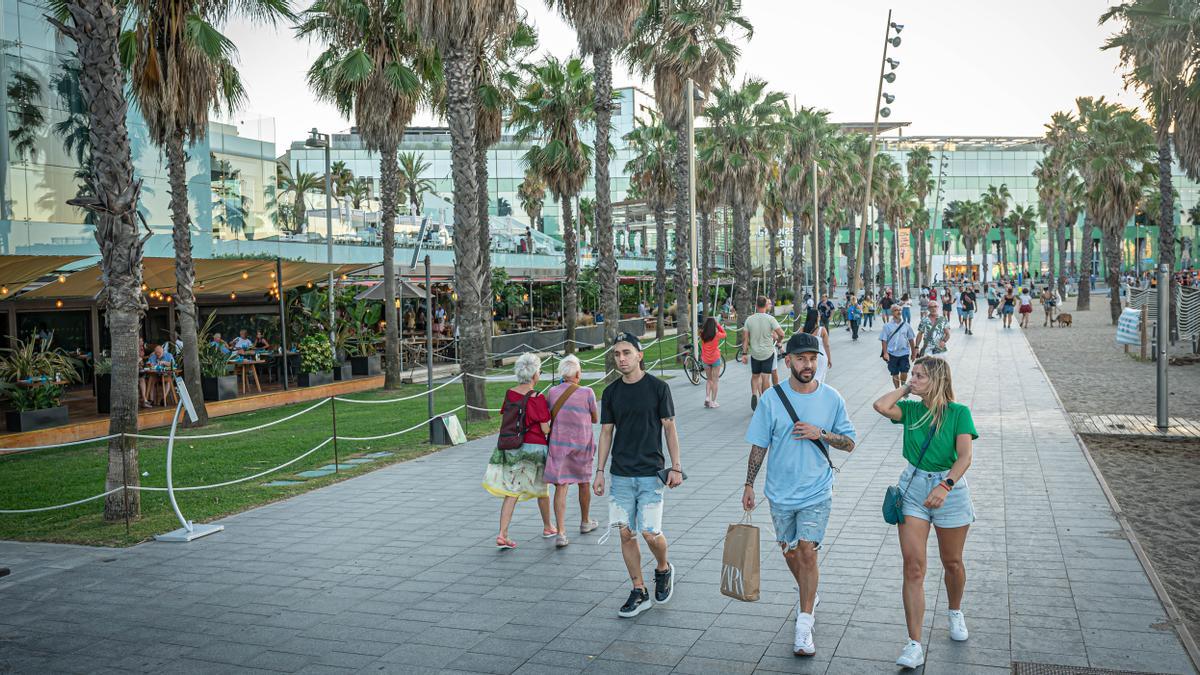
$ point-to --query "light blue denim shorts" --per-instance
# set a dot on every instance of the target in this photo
(636, 502)
(808, 523)
(956, 511)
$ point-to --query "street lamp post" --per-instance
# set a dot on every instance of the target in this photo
(933, 217)
(691, 118)
(856, 275)
(319, 140)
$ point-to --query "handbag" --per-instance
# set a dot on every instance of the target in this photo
(792, 413)
(893, 498)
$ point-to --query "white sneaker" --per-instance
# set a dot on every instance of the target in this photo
(816, 604)
(803, 645)
(913, 656)
(958, 625)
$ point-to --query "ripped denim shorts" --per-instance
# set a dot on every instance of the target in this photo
(807, 523)
(636, 502)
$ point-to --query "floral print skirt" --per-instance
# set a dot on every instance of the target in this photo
(517, 473)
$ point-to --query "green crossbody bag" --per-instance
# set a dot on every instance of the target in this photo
(893, 499)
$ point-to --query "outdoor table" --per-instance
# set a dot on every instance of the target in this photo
(244, 368)
(30, 383)
(166, 378)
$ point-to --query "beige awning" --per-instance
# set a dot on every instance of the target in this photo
(18, 271)
(405, 289)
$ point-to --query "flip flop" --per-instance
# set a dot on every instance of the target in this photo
(505, 544)
(549, 533)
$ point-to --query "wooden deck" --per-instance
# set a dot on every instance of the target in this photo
(1135, 425)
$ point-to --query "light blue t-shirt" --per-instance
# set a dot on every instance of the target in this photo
(797, 473)
(897, 336)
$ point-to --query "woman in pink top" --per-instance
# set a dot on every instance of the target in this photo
(572, 452)
(710, 355)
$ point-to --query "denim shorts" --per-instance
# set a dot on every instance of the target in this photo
(968, 314)
(714, 364)
(793, 526)
(956, 511)
(641, 496)
(898, 364)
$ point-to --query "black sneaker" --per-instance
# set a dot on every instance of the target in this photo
(664, 585)
(638, 602)
(753, 401)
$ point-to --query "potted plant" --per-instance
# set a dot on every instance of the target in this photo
(217, 383)
(363, 342)
(103, 384)
(316, 360)
(342, 370)
(33, 375)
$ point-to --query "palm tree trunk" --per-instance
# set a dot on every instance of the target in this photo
(851, 253)
(741, 256)
(660, 268)
(389, 180)
(1084, 264)
(185, 276)
(772, 269)
(971, 249)
(892, 261)
(460, 115)
(1051, 230)
(606, 259)
(485, 242)
(1060, 234)
(95, 28)
(1112, 234)
(683, 235)
(571, 288)
(705, 262)
(831, 275)
(797, 263)
(880, 249)
(1166, 209)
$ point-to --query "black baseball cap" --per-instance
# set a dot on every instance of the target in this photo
(801, 343)
(630, 338)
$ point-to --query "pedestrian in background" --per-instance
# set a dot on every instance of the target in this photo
(868, 309)
(897, 341)
(710, 355)
(853, 316)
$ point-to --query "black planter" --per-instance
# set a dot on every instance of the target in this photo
(367, 365)
(219, 388)
(30, 420)
(343, 372)
(315, 379)
(103, 393)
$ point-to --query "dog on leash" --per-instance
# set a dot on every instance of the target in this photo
(1063, 320)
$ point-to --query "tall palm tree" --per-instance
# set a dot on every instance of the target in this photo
(95, 27)
(888, 185)
(412, 174)
(973, 221)
(807, 130)
(921, 183)
(650, 171)
(674, 41)
(773, 220)
(708, 200)
(459, 29)
(375, 68)
(747, 132)
(1073, 208)
(1057, 186)
(603, 27)
(1024, 223)
(358, 190)
(340, 176)
(1115, 154)
(1159, 45)
(297, 185)
(558, 96)
(181, 67)
(532, 193)
(995, 201)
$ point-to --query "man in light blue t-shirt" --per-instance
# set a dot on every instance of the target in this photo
(799, 485)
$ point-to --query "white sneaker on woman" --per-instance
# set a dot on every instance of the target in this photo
(958, 625)
(803, 644)
(913, 656)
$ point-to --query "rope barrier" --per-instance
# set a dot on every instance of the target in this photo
(236, 480)
(236, 431)
(33, 448)
(402, 431)
(402, 398)
(63, 506)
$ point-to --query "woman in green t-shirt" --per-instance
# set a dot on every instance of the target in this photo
(938, 432)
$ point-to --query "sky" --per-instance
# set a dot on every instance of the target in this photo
(966, 67)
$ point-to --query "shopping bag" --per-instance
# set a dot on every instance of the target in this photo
(740, 562)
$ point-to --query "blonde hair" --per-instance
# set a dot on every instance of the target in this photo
(941, 388)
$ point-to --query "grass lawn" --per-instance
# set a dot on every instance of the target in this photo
(57, 476)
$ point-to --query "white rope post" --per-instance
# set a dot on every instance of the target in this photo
(190, 530)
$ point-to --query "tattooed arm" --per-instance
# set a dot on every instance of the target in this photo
(844, 443)
(757, 455)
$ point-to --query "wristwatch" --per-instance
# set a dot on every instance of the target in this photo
(823, 434)
(948, 481)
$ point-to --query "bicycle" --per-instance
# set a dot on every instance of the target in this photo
(695, 370)
(838, 318)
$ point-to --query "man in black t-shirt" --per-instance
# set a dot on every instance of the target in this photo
(968, 299)
(635, 413)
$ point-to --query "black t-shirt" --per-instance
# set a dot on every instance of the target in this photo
(886, 303)
(637, 411)
(968, 301)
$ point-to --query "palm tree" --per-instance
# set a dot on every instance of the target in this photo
(358, 190)
(412, 173)
(674, 41)
(1160, 46)
(807, 131)
(532, 193)
(181, 67)
(587, 221)
(95, 27)
(459, 29)
(557, 97)
(298, 186)
(921, 183)
(995, 201)
(747, 133)
(650, 171)
(341, 177)
(708, 200)
(773, 214)
(973, 222)
(376, 69)
(1115, 157)
(1058, 191)
(1024, 223)
(603, 27)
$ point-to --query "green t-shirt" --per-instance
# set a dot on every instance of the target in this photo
(762, 335)
(941, 453)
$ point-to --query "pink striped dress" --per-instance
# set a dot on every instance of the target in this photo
(572, 450)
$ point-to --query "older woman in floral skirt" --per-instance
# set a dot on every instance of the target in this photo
(517, 475)
(572, 445)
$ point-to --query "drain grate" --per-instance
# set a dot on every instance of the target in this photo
(1025, 668)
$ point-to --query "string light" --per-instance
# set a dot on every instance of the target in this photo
(168, 298)
(58, 304)
(62, 278)
(143, 288)
(344, 277)
(233, 296)
(308, 285)
(3, 290)
(245, 275)
(397, 304)
(272, 275)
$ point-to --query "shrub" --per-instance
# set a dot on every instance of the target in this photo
(316, 354)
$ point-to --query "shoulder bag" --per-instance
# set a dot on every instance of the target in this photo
(893, 499)
(792, 413)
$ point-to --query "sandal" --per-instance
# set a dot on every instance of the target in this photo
(549, 532)
(561, 541)
(505, 544)
(589, 526)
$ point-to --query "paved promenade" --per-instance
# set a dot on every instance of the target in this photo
(396, 571)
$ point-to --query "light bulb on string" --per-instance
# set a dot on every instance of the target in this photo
(62, 278)
(58, 303)
(3, 290)
(233, 296)
(245, 275)
(308, 285)
(272, 275)
(143, 288)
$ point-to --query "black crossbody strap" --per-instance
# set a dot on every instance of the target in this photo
(795, 418)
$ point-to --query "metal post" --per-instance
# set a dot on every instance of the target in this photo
(189, 530)
(866, 224)
(937, 199)
(283, 341)
(816, 252)
(695, 318)
(1163, 330)
(429, 345)
(333, 407)
(328, 236)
